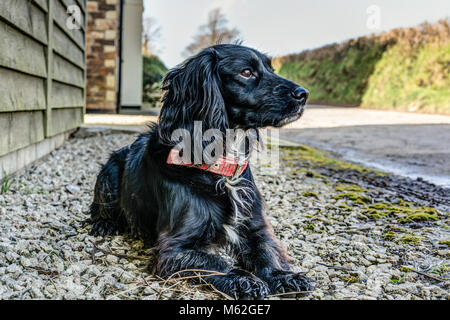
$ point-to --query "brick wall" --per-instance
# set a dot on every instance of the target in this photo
(102, 54)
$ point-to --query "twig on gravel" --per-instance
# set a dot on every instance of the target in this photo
(120, 255)
(429, 276)
(211, 273)
(167, 289)
(161, 290)
(92, 283)
(53, 284)
(425, 274)
(44, 271)
(196, 276)
(149, 286)
(184, 290)
(122, 293)
(335, 267)
(217, 291)
(286, 293)
(94, 250)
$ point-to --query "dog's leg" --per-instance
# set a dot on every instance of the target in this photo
(259, 252)
(106, 215)
(175, 257)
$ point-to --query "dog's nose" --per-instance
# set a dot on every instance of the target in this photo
(300, 93)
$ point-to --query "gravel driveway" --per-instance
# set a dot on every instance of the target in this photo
(355, 241)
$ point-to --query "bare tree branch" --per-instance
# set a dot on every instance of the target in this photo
(151, 34)
(213, 32)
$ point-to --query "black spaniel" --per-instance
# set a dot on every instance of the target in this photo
(188, 211)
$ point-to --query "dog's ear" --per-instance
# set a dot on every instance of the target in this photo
(192, 93)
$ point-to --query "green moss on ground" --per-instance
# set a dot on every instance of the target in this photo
(315, 158)
(408, 238)
(389, 236)
(406, 269)
(311, 194)
(358, 197)
(395, 228)
(392, 232)
(350, 278)
(343, 187)
(355, 197)
(403, 211)
(419, 216)
(345, 207)
(389, 208)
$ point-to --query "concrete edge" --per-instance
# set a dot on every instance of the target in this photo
(15, 161)
(93, 130)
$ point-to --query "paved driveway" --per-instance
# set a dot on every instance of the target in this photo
(415, 145)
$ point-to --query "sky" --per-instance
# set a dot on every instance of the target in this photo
(279, 27)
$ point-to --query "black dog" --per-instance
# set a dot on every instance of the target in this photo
(181, 210)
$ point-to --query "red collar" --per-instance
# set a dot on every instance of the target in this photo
(224, 166)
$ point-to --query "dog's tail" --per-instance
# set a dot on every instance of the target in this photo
(106, 204)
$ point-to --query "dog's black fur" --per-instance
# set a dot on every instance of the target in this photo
(180, 210)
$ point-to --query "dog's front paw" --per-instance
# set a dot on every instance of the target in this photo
(103, 227)
(282, 281)
(240, 284)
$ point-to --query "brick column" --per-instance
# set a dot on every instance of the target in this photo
(102, 54)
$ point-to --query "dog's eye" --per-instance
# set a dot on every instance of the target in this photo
(246, 73)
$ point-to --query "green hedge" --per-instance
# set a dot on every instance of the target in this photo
(404, 69)
(154, 71)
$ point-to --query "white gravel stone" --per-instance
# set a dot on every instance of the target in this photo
(46, 252)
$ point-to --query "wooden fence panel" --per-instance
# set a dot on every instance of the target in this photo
(66, 72)
(43, 4)
(20, 129)
(42, 71)
(19, 52)
(26, 16)
(65, 119)
(66, 96)
(13, 97)
(63, 45)
(60, 16)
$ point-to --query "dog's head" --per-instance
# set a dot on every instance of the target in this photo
(228, 86)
